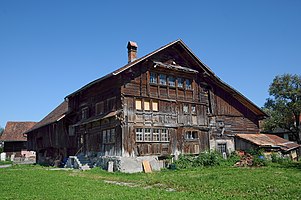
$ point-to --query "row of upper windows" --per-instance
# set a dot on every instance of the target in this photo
(172, 81)
(100, 108)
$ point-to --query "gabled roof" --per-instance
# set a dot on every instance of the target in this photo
(269, 141)
(237, 95)
(14, 131)
(57, 114)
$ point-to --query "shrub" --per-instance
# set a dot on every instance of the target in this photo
(258, 157)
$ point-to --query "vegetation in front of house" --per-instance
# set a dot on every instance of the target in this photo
(5, 162)
(213, 158)
(37, 182)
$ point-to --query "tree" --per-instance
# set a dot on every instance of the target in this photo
(284, 105)
(1, 130)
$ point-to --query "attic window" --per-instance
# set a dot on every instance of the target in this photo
(171, 81)
(188, 84)
(153, 78)
(162, 79)
(180, 82)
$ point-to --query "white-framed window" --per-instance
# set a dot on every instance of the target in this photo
(185, 108)
(153, 78)
(156, 134)
(138, 104)
(188, 84)
(180, 82)
(222, 148)
(139, 134)
(162, 79)
(191, 135)
(155, 106)
(164, 135)
(171, 81)
(193, 109)
(151, 135)
(147, 134)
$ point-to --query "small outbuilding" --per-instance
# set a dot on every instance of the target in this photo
(14, 138)
(270, 143)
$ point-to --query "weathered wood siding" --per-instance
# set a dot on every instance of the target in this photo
(170, 114)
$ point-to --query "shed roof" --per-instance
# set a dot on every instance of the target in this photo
(57, 114)
(14, 131)
(269, 140)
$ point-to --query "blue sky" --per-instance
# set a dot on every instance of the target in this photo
(49, 49)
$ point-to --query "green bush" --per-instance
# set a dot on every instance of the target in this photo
(204, 159)
(259, 158)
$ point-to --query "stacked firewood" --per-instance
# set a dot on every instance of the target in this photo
(246, 159)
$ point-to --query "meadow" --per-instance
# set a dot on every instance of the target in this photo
(37, 182)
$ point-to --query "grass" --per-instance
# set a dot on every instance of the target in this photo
(36, 182)
(5, 162)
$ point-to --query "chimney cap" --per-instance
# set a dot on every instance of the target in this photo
(132, 45)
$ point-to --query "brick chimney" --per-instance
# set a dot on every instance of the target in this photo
(132, 51)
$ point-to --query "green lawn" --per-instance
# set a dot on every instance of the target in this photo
(36, 182)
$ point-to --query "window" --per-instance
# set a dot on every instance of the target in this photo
(162, 79)
(151, 135)
(222, 148)
(146, 105)
(139, 134)
(138, 104)
(153, 78)
(155, 106)
(112, 138)
(147, 134)
(85, 113)
(171, 81)
(191, 135)
(193, 109)
(99, 108)
(104, 136)
(185, 108)
(111, 104)
(188, 84)
(180, 82)
(156, 135)
(164, 135)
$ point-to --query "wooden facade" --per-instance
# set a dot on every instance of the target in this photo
(165, 103)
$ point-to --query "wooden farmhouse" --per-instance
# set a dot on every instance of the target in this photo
(165, 103)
